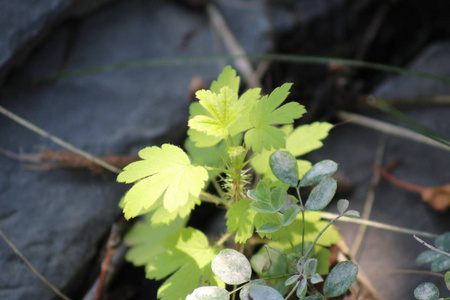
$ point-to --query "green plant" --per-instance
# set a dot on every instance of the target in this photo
(439, 257)
(231, 141)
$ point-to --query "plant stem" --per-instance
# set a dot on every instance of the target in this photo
(431, 247)
(207, 197)
(292, 291)
(303, 219)
(218, 188)
(223, 239)
(320, 234)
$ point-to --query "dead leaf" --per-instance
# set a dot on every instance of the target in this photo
(437, 197)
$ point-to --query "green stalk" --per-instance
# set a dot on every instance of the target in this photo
(320, 234)
(303, 219)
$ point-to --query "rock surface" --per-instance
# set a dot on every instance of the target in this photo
(383, 252)
(24, 23)
(58, 218)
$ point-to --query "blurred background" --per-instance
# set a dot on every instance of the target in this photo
(112, 76)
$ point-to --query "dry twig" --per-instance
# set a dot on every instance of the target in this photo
(390, 129)
(370, 199)
(57, 140)
(242, 64)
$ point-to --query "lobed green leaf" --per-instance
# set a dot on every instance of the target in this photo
(307, 138)
(146, 241)
(241, 219)
(188, 256)
(227, 78)
(223, 110)
(166, 176)
(264, 114)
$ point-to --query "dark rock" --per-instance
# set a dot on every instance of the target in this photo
(58, 218)
(355, 147)
(248, 22)
(23, 23)
(287, 14)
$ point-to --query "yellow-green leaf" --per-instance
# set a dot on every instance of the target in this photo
(166, 175)
(188, 256)
(223, 110)
(146, 241)
(266, 113)
(226, 78)
(241, 219)
(307, 138)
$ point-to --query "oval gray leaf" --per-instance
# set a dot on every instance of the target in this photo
(340, 279)
(441, 264)
(278, 198)
(342, 206)
(428, 256)
(284, 167)
(209, 293)
(322, 194)
(426, 291)
(232, 267)
(243, 294)
(443, 242)
(260, 292)
(324, 168)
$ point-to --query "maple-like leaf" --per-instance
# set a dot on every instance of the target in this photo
(241, 219)
(300, 141)
(223, 110)
(209, 119)
(266, 113)
(307, 138)
(227, 78)
(165, 174)
(146, 241)
(188, 256)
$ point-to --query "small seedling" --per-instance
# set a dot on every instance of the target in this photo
(233, 140)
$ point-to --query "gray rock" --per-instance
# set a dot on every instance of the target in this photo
(287, 14)
(247, 20)
(59, 217)
(354, 148)
(23, 23)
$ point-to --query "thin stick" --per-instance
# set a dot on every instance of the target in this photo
(390, 129)
(379, 225)
(57, 140)
(116, 259)
(113, 241)
(242, 63)
(431, 247)
(370, 199)
(400, 271)
(32, 268)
